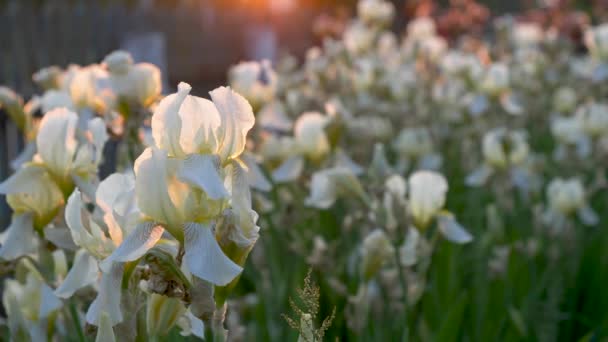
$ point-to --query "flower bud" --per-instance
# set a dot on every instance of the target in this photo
(594, 118)
(12, 103)
(162, 313)
(376, 251)
(413, 142)
(566, 196)
(426, 197)
(48, 78)
(502, 147)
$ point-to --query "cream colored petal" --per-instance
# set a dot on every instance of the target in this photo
(236, 118)
(111, 188)
(199, 123)
(166, 121)
(152, 184)
(427, 195)
(56, 142)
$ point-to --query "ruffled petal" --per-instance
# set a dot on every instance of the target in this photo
(204, 257)
(166, 122)
(135, 245)
(237, 119)
(200, 121)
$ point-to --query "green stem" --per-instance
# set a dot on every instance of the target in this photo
(76, 321)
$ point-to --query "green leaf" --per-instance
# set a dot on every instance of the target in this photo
(452, 323)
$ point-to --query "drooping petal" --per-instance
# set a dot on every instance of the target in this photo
(237, 119)
(22, 181)
(55, 141)
(151, 186)
(479, 176)
(48, 301)
(255, 176)
(135, 245)
(26, 155)
(60, 237)
(204, 257)
(19, 239)
(108, 298)
(191, 325)
(289, 170)
(452, 230)
(588, 216)
(202, 171)
(83, 273)
(166, 122)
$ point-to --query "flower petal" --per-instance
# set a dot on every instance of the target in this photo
(108, 298)
(204, 257)
(588, 216)
(202, 171)
(135, 245)
(289, 170)
(55, 141)
(151, 186)
(111, 188)
(19, 238)
(200, 121)
(48, 301)
(26, 155)
(452, 230)
(237, 119)
(166, 122)
(99, 136)
(105, 333)
(84, 272)
(255, 176)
